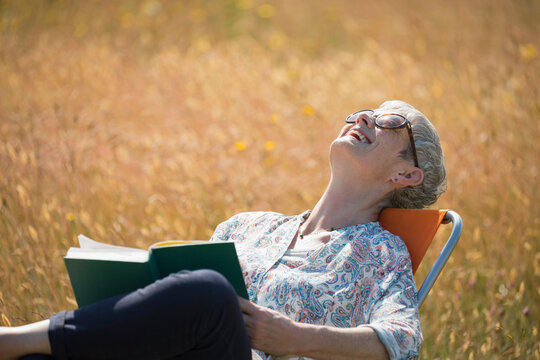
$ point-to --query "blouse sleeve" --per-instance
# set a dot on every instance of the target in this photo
(227, 229)
(394, 317)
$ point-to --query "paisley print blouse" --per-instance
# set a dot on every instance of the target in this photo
(361, 277)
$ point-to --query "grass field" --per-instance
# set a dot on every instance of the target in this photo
(134, 122)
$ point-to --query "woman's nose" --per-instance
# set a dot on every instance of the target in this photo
(366, 119)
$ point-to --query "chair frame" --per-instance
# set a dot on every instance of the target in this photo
(427, 284)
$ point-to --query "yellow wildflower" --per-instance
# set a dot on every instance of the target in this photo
(269, 145)
(70, 217)
(240, 145)
(308, 110)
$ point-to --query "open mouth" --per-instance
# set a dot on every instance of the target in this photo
(359, 136)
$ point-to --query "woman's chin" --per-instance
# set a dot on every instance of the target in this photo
(345, 145)
(343, 150)
(344, 141)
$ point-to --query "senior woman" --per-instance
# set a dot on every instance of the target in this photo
(329, 283)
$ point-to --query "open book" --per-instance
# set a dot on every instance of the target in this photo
(98, 271)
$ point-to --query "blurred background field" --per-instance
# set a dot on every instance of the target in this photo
(139, 121)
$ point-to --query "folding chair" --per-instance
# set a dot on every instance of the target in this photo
(417, 228)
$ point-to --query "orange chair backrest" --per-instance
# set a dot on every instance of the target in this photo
(416, 227)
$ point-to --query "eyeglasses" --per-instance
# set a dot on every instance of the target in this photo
(388, 121)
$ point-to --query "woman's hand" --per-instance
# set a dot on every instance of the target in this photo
(268, 330)
(276, 334)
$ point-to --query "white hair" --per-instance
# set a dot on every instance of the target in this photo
(430, 160)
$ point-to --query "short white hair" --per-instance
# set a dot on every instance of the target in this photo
(430, 160)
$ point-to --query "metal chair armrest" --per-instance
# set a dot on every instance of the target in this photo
(455, 219)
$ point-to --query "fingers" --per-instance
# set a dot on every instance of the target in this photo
(243, 302)
(249, 327)
(268, 330)
(247, 306)
(249, 313)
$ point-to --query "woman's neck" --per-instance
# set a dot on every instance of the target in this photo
(340, 207)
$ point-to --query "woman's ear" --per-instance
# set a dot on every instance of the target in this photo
(411, 177)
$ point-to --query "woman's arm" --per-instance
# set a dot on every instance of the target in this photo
(276, 334)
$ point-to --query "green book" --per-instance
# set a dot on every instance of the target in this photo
(98, 271)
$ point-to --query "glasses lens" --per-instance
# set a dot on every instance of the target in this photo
(390, 121)
(351, 119)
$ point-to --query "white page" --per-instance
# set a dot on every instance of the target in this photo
(107, 254)
(87, 243)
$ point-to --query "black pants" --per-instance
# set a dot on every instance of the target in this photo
(187, 315)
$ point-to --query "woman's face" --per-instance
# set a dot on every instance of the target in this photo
(363, 147)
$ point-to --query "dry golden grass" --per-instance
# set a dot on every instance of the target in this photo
(136, 122)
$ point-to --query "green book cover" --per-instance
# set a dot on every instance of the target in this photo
(98, 271)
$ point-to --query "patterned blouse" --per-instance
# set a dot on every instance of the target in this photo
(361, 277)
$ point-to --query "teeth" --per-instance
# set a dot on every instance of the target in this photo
(361, 137)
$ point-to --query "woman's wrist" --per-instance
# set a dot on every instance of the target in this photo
(302, 338)
(324, 342)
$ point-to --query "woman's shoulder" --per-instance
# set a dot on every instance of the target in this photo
(247, 222)
(392, 240)
(374, 238)
(254, 217)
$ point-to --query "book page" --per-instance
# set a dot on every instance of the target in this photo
(107, 254)
(87, 243)
(178, 242)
